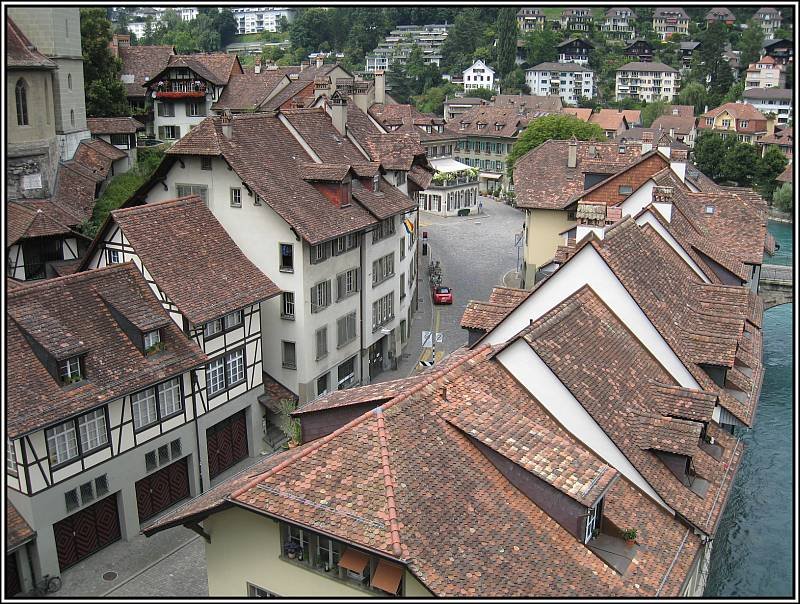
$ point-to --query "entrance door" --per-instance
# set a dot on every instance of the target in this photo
(376, 358)
(226, 443)
(13, 585)
(162, 489)
(85, 532)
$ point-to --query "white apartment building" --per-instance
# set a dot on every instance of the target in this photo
(570, 81)
(255, 19)
(769, 19)
(137, 28)
(771, 100)
(619, 23)
(478, 75)
(647, 82)
(668, 21)
(765, 73)
(397, 46)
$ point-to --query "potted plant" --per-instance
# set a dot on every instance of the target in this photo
(293, 550)
(157, 347)
(630, 536)
(287, 424)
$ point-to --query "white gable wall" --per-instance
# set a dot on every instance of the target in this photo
(588, 268)
(536, 377)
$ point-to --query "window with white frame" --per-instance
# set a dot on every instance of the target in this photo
(223, 324)
(225, 372)
(92, 430)
(254, 591)
(321, 340)
(384, 229)
(345, 329)
(170, 401)
(346, 283)
(169, 132)
(62, 443)
(382, 311)
(165, 109)
(320, 296)
(232, 320)
(234, 364)
(352, 241)
(320, 252)
(151, 338)
(287, 305)
(288, 355)
(201, 191)
(236, 197)
(144, 409)
(70, 370)
(75, 437)
(215, 376)
(112, 256)
(382, 269)
(194, 109)
(11, 457)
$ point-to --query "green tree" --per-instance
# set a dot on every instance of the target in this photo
(693, 93)
(540, 46)
(462, 40)
(750, 45)
(104, 92)
(783, 197)
(734, 93)
(309, 28)
(432, 100)
(653, 110)
(741, 164)
(709, 67)
(769, 168)
(514, 83)
(482, 93)
(709, 151)
(506, 40)
(552, 127)
(225, 24)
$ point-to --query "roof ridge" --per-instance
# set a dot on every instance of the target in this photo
(156, 205)
(90, 274)
(352, 423)
(388, 483)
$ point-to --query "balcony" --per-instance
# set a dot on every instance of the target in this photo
(172, 91)
(175, 96)
(453, 182)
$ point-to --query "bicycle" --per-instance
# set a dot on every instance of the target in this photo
(48, 585)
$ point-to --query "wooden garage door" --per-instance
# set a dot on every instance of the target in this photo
(162, 489)
(87, 531)
(13, 585)
(227, 443)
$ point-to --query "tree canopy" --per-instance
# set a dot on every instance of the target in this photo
(506, 40)
(653, 110)
(783, 197)
(540, 46)
(104, 91)
(552, 127)
(735, 161)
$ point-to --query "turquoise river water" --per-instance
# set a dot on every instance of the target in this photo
(753, 553)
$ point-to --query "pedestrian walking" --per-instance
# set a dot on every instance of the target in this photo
(480, 205)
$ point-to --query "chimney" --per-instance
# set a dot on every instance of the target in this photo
(117, 41)
(322, 86)
(303, 65)
(227, 123)
(591, 218)
(338, 106)
(380, 86)
(771, 125)
(320, 60)
(257, 67)
(647, 141)
(662, 200)
(572, 153)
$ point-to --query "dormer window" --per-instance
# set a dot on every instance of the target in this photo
(463, 125)
(481, 126)
(376, 183)
(709, 210)
(593, 518)
(152, 342)
(70, 370)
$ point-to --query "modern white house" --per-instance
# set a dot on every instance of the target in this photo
(771, 100)
(647, 82)
(570, 81)
(184, 91)
(765, 73)
(478, 75)
(619, 23)
(453, 190)
(670, 20)
(398, 44)
(334, 228)
(255, 19)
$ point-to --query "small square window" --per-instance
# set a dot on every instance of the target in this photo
(205, 163)
(101, 485)
(709, 209)
(70, 370)
(175, 448)
(112, 256)
(71, 499)
(150, 461)
(625, 190)
(163, 455)
(87, 493)
(152, 339)
(236, 197)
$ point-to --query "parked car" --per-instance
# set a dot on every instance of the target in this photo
(442, 295)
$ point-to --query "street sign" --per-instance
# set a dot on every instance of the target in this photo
(518, 240)
(426, 363)
(439, 337)
(427, 340)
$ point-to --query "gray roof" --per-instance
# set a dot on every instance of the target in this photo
(571, 40)
(669, 11)
(691, 45)
(550, 66)
(466, 100)
(641, 66)
(767, 93)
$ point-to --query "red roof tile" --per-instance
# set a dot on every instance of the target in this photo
(20, 51)
(113, 125)
(143, 63)
(18, 530)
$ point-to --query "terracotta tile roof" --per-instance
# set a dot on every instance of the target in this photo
(652, 66)
(768, 93)
(248, 90)
(740, 111)
(582, 114)
(181, 243)
(276, 177)
(681, 125)
(292, 90)
(21, 52)
(143, 63)
(507, 117)
(682, 402)
(113, 125)
(682, 110)
(395, 151)
(608, 119)
(375, 483)
(25, 220)
(325, 172)
(216, 67)
(542, 179)
(484, 316)
(568, 339)
(18, 531)
(632, 116)
(420, 176)
(783, 138)
(553, 66)
(97, 155)
(720, 13)
(70, 315)
(387, 202)
(315, 126)
(786, 175)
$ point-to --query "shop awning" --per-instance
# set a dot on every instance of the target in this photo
(387, 577)
(354, 560)
(491, 176)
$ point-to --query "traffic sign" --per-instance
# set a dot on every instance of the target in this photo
(427, 340)
(439, 337)
(426, 363)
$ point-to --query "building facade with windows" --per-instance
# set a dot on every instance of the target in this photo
(619, 23)
(530, 19)
(668, 21)
(478, 75)
(647, 81)
(255, 19)
(397, 46)
(333, 226)
(570, 81)
(740, 120)
(574, 50)
(771, 100)
(576, 19)
(184, 91)
(769, 19)
(119, 132)
(765, 73)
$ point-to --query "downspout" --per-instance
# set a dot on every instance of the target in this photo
(362, 278)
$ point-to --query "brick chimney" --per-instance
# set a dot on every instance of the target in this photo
(257, 66)
(117, 41)
(338, 105)
(322, 86)
(662, 200)
(572, 153)
(647, 142)
(591, 218)
(380, 86)
(227, 123)
(320, 60)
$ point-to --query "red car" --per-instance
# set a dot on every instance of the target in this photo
(442, 295)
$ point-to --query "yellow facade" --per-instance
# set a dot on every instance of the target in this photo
(245, 549)
(542, 238)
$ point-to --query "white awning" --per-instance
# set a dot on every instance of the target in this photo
(491, 176)
(447, 164)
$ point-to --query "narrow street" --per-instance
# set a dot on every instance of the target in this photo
(475, 253)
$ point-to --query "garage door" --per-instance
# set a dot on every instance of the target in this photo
(13, 586)
(227, 443)
(87, 531)
(162, 489)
